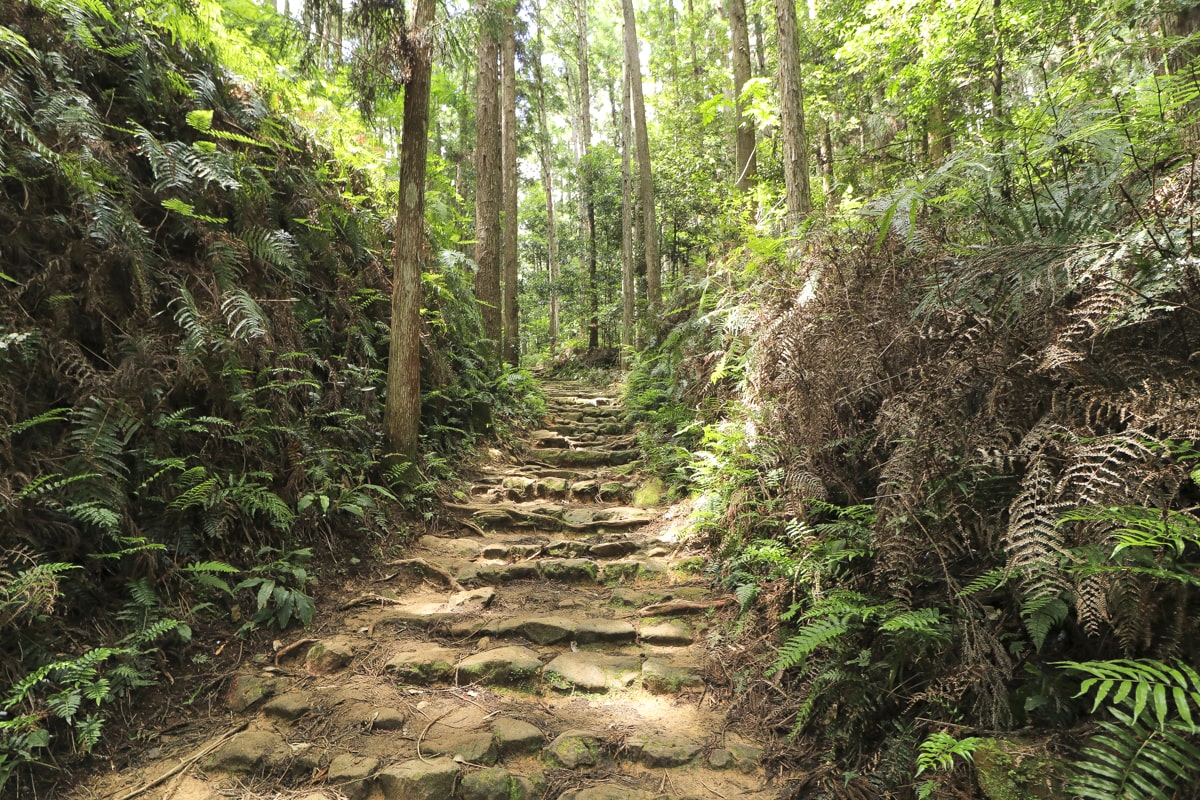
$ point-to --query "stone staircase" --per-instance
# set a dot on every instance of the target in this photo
(554, 645)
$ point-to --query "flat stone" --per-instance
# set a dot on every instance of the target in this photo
(662, 677)
(662, 750)
(666, 633)
(745, 756)
(548, 630)
(247, 690)
(584, 489)
(419, 780)
(570, 570)
(518, 487)
(251, 751)
(494, 550)
(351, 775)
(389, 719)
(503, 665)
(574, 749)
(580, 515)
(424, 665)
(633, 597)
(425, 610)
(592, 672)
(288, 707)
(568, 547)
(615, 549)
(516, 737)
(607, 791)
(605, 630)
(474, 748)
(504, 573)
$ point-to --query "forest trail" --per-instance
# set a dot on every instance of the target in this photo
(554, 646)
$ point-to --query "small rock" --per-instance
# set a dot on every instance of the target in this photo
(611, 491)
(504, 665)
(494, 550)
(351, 775)
(486, 784)
(419, 780)
(474, 748)
(658, 552)
(666, 633)
(662, 750)
(720, 758)
(548, 630)
(661, 677)
(650, 494)
(574, 749)
(246, 690)
(329, 656)
(622, 571)
(288, 707)
(423, 666)
(605, 630)
(567, 547)
(551, 487)
(516, 737)
(584, 489)
(251, 751)
(745, 756)
(615, 549)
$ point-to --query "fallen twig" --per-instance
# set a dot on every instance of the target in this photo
(187, 762)
(683, 607)
(283, 651)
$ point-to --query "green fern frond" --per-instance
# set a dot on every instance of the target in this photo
(1135, 761)
(244, 316)
(803, 643)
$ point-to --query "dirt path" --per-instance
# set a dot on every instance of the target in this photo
(552, 647)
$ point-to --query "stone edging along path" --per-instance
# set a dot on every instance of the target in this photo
(552, 647)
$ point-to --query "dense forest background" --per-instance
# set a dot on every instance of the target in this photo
(907, 292)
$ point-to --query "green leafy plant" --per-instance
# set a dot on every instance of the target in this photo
(278, 589)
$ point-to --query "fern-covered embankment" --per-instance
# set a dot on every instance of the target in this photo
(952, 482)
(193, 333)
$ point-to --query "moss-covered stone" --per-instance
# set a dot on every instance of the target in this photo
(649, 494)
(1014, 770)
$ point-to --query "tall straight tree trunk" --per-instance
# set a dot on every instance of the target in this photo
(791, 102)
(545, 155)
(508, 92)
(1181, 63)
(745, 164)
(760, 44)
(587, 207)
(627, 290)
(645, 176)
(402, 409)
(487, 177)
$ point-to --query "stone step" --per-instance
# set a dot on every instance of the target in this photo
(557, 629)
(592, 457)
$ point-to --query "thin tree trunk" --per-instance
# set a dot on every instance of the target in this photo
(627, 290)
(791, 101)
(760, 44)
(487, 177)
(402, 410)
(545, 154)
(508, 58)
(587, 207)
(645, 176)
(745, 164)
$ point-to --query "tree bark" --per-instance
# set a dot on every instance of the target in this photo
(645, 176)
(791, 101)
(545, 155)
(1181, 63)
(487, 177)
(508, 58)
(745, 164)
(402, 408)
(587, 207)
(627, 290)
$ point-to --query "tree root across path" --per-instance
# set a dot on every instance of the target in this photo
(187, 762)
